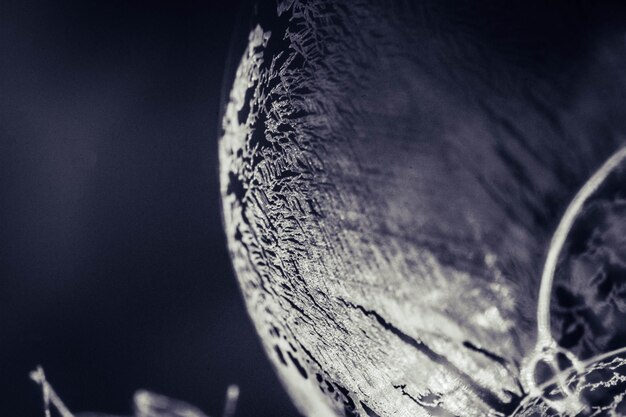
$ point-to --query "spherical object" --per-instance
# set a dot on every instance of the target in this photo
(392, 174)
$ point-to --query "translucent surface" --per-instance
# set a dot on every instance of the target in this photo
(392, 177)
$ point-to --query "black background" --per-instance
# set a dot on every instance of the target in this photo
(114, 269)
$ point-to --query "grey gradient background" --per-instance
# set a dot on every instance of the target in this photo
(114, 270)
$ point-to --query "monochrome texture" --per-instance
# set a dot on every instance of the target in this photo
(390, 184)
(146, 403)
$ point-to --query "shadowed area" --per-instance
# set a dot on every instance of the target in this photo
(113, 269)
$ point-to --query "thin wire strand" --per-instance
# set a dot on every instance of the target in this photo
(546, 344)
(558, 240)
(565, 373)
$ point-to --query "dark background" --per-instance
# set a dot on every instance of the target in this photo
(114, 269)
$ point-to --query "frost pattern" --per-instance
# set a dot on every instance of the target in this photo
(601, 388)
(380, 244)
(336, 329)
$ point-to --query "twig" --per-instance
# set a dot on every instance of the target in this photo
(49, 395)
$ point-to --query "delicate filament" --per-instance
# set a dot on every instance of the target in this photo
(558, 240)
(546, 348)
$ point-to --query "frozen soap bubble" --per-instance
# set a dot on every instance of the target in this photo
(392, 174)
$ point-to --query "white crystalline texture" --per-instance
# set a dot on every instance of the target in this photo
(389, 192)
(601, 389)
